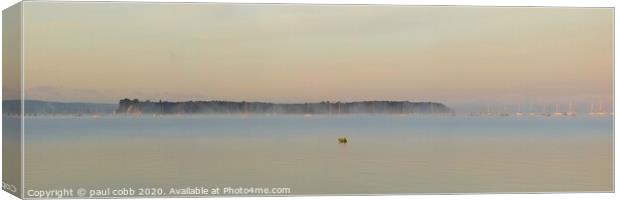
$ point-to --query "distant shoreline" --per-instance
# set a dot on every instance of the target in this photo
(137, 107)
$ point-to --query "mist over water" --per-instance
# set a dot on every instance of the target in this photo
(385, 153)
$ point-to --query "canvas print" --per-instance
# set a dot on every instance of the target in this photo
(139, 99)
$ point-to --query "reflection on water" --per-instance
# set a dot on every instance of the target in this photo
(384, 154)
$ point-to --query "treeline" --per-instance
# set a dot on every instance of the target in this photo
(136, 106)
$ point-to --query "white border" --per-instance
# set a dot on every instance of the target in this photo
(564, 3)
(567, 3)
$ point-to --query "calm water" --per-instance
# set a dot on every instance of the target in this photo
(385, 154)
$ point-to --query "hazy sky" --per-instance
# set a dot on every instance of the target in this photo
(102, 52)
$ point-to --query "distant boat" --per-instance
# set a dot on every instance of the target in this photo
(519, 113)
(601, 111)
(342, 140)
(571, 111)
(557, 110)
(544, 112)
(591, 110)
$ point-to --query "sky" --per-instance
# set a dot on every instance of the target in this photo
(459, 55)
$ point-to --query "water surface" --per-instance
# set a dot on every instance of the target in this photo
(385, 153)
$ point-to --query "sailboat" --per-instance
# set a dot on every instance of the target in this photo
(557, 110)
(531, 110)
(571, 110)
(591, 113)
(600, 111)
(519, 113)
(544, 113)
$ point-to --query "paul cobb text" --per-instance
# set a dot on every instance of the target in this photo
(187, 191)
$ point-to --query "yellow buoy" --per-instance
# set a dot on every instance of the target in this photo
(342, 140)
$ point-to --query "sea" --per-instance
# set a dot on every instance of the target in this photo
(384, 154)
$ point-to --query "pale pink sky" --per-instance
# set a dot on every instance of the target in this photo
(297, 53)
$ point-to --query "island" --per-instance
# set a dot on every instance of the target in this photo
(135, 106)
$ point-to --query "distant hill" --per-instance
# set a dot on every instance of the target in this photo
(33, 107)
(224, 107)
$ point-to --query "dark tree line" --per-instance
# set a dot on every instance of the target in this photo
(325, 107)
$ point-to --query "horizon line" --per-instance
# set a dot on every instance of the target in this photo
(238, 101)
